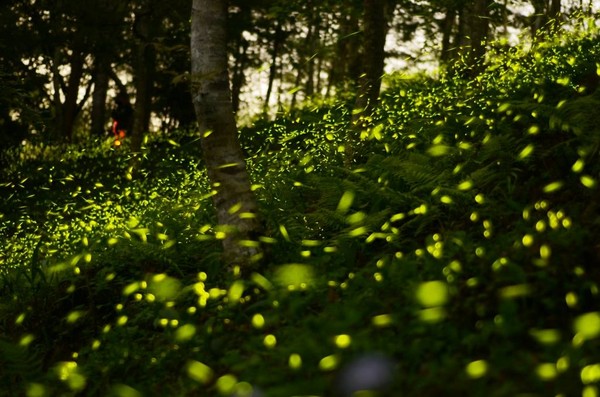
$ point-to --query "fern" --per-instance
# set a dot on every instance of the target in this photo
(18, 364)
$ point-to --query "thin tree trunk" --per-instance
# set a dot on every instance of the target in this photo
(145, 65)
(479, 27)
(554, 11)
(121, 87)
(144, 75)
(460, 38)
(313, 34)
(369, 84)
(318, 80)
(279, 90)
(374, 43)
(72, 92)
(57, 105)
(305, 64)
(539, 16)
(277, 41)
(234, 201)
(545, 18)
(447, 28)
(330, 80)
(239, 78)
(297, 82)
(98, 115)
(86, 96)
(348, 58)
(471, 37)
(505, 18)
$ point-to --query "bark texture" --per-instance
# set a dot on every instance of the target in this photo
(238, 75)
(374, 32)
(66, 111)
(479, 29)
(347, 67)
(70, 105)
(278, 39)
(447, 27)
(369, 83)
(144, 68)
(234, 201)
(469, 45)
(98, 114)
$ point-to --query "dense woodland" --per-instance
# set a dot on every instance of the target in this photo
(284, 218)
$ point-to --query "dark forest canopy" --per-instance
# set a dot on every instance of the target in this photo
(62, 64)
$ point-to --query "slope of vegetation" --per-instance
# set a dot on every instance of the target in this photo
(458, 256)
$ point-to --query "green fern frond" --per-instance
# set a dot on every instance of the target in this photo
(18, 361)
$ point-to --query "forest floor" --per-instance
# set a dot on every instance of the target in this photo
(458, 255)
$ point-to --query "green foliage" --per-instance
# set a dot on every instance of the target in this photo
(458, 253)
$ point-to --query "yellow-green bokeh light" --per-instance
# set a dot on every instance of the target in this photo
(432, 293)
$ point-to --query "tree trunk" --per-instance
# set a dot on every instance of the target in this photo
(277, 41)
(66, 112)
(318, 80)
(369, 83)
(70, 106)
(479, 27)
(311, 39)
(348, 58)
(555, 8)
(145, 65)
(447, 28)
(234, 201)
(374, 32)
(471, 37)
(545, 17)
(461, 35)
(98, 115)
(57, 86)
(297, 81)
(144, 81)
(539, 16)
(239, 77)
(554, 13)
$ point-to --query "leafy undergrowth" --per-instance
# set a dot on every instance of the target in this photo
(458, 256)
